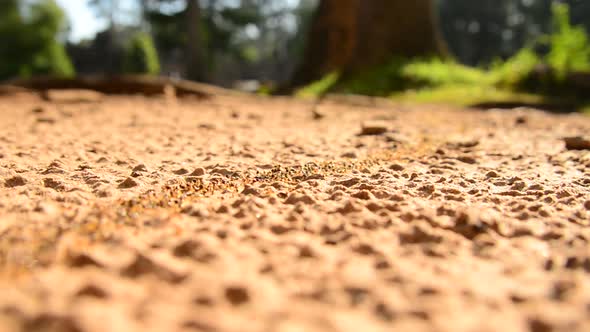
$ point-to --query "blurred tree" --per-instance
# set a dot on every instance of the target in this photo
(229, 39)
(177, 27)
(397, 27)
(29, 31)
(349, 35)
(106, 9)
(141, 56)
(112, 40)
(332, 40)
(580, 12)
(195, 69)
(11, 25)
(479, 32)
(266, 39)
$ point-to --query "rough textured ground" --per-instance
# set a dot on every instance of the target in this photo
(247, 214)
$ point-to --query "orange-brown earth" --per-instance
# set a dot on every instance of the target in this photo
(241, 213)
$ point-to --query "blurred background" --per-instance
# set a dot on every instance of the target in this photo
(462, 51)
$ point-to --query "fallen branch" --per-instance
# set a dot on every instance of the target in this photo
(127, 84)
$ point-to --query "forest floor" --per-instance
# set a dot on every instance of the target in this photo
(244, 213)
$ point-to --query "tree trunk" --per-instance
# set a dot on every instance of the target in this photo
(389, 28)
(351, 35)
(195, 65)
(332, 40)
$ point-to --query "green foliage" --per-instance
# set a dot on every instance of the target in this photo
(509, 73)
(249, 54)
(265, 90)
(52, 61)
(467, 95)
(570, 48)
(320, 87)
(141, 56)
(437, 72)
(512, 72)
(444, 80)
(30, 45)
(401, 74)
(379, 81)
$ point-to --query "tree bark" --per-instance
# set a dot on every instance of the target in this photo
(332, 40)
(351, 35)
(195, 64)
(396, 27)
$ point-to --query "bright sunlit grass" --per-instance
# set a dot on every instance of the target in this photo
(467, 95)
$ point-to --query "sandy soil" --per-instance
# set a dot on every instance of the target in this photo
(249, 214)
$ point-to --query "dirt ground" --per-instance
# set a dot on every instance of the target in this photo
(240, 213)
